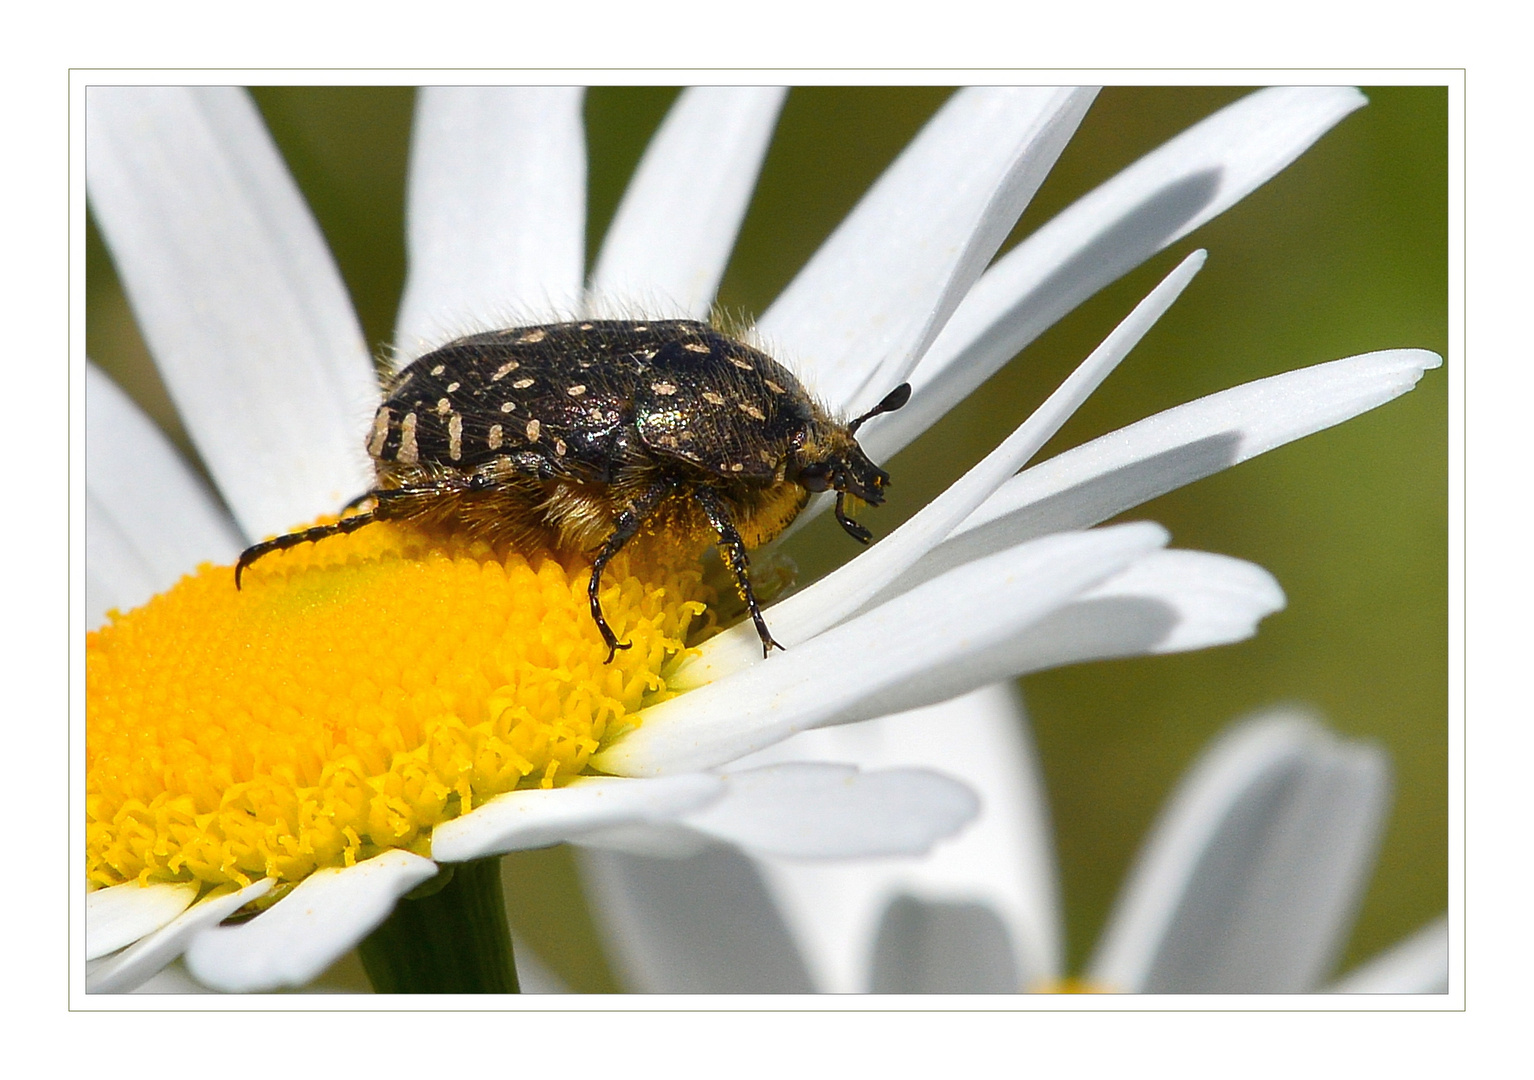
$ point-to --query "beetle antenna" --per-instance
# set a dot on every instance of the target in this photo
(892, 401)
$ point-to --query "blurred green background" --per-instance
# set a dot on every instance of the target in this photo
(1344, 252)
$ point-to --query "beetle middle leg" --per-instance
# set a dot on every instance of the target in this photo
(735, 549)
(624, 528)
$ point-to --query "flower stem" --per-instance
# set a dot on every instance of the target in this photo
(449, 936)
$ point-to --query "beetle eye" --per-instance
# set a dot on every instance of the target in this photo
(815, 477)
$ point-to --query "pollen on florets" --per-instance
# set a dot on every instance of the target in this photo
(354, 694)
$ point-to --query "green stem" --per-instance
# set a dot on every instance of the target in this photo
(449, 936)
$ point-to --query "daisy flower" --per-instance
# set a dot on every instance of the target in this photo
(377, 707)
(1247, 883)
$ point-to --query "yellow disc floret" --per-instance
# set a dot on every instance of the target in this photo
(354, 694)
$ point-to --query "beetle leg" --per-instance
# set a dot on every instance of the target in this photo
(856, 531)
(305, 536)
(624, 528)
(381, 497)
(729, 540)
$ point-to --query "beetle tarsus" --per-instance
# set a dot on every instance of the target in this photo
(623, 531)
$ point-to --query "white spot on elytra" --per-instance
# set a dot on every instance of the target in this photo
(532, 337)
(532, 430)
(576, 391)
(751, 411)
(712, 398)
(493, 439)
(504, 370)
(439, 369)
(380, 432)
(663, 388)
(693, 346)
(508, 406)
(522, 384)
(455, 437)
(409, 453)
(444, 406)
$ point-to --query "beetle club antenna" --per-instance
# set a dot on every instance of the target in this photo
(892, 401)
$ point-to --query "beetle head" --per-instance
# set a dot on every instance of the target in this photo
(839, 464)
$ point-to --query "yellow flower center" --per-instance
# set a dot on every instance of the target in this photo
(356, 693)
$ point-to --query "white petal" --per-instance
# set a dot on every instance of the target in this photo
(171, 979)
(1169, 601)
(876, 664)
(146, 958)
(870, 301)
(831, 599)
(1120, 470)
(1418, 965)
(533, 976)
(537, 818)
(122, 914)
(496, 219)
(942, 947)
(117, 574)
(671, 237)
(236, 294)
(1253, 872)
(301, 935)
(703, 925)
(1159, 199)
(153, 509)
(817, 810)
(999, 872)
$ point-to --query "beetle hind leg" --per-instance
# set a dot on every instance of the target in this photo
(303, 536)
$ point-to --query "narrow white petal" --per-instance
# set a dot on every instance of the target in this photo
(833, 598)
(704, 925)
(533, 975)
(1156, 201)
(671, 237)
(145, 959)
(999, 872)
(117, 573)
(1169, 601)
(1251, 876)
(817, 810)
(941, 947)
(173, 978)
(1418, 965)
(876, 664)
(301, 935)
(146, 500)
(654, 840)
(537, 818)
(858, 316)
(236, 294)
(1093, 482)
(122, 914)
(496, 215)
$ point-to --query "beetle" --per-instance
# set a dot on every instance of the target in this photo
(573, 435)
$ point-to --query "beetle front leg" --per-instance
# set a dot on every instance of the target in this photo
(624, 528)
(735, 549)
